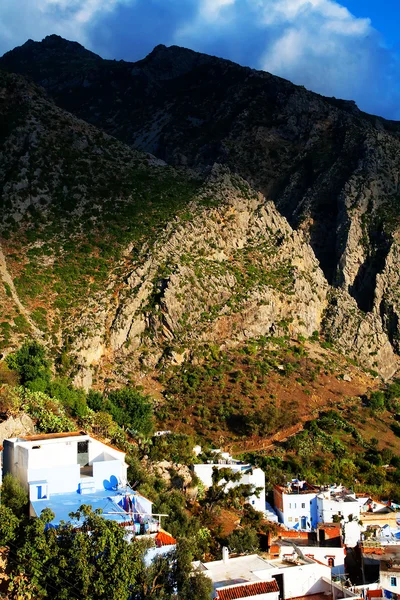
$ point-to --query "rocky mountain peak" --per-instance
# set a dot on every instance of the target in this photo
(329, 170)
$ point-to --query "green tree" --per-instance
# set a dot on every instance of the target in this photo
(92, 562)
(221, 493)
(31, 364)
(132, 409)
(191, 585)
(377, 401)
(13, 495)
(73, 399)
(243, 541)
(9, 523)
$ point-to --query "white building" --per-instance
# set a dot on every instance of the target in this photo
(302, 506)
(337, 502)
(389, 572)
(65, 470)
(249, 475)
(255, 577)
(352, 533)
(296, 505)
(330, 556)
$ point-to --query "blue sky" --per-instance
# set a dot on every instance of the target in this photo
(348, 49)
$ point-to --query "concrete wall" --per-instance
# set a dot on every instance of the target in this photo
(104, 471)
(320, 554)
(302, 579)
(97, 449)
(61, 480)
(57, 454)
(328, 507)
(385, 580)
(15, 461)
(297, 506)
(142, 504)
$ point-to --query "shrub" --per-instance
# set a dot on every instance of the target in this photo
(30, 362)
(132, 409)
(13, 495)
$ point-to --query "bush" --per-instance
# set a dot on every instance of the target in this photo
(132, 409)
(13, 495)
(73, 399)
(377, 401)
(243, 541)
(30, 362)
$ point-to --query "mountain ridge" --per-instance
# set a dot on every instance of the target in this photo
(328, 169)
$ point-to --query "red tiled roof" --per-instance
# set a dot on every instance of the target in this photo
(249, 589)
(164, 539)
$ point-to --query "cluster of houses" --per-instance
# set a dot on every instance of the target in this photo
(317, 525)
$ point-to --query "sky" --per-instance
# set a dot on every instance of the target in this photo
(348, 49)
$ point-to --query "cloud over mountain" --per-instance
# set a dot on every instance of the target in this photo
(316, 43)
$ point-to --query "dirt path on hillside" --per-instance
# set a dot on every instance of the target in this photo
(7, 279)
(266, 443)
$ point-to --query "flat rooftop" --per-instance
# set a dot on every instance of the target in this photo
(63, 504)
(294, 489)
(244, 568)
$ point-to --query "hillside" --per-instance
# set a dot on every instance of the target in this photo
(329, 169)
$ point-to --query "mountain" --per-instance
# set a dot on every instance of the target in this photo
(283, 220)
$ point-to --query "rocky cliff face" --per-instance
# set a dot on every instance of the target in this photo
(294, 228)
(219, 274)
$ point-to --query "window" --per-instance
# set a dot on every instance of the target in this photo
(393, 581)
(303, 505)
(295, 505)
(290, 505)
(296, 520)
(83, 447)
(290, 519)
(331, 561)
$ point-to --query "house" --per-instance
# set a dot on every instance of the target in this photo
(255, 577)
(62, 471)
(302, 506)
(376, 512)
(249, 475)
(296, 505)
(389, 575)
(336, 501)
(332, 556)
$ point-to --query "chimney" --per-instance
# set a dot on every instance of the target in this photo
(225, 555)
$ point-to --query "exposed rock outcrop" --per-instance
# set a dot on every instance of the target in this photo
(16, 427)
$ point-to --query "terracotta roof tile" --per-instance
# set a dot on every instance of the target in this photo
(374, 594)
(164, 539)
(249, 589)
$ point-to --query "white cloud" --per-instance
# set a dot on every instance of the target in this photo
(212, 9)
(23, 19)
(316, 43)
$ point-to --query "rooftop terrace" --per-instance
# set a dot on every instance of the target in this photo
(106, 500)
